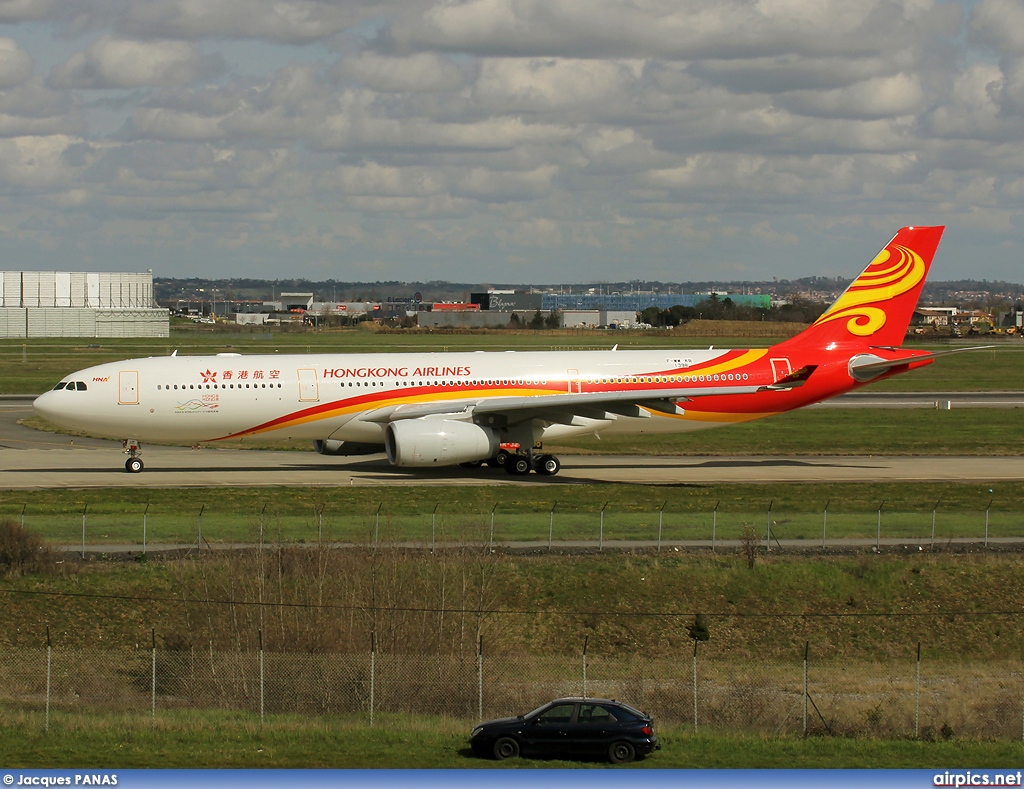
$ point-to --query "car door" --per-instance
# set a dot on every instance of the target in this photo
(548, 732)
(593, 729)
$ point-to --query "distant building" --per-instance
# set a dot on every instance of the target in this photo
(508, 301)
(638, 302)
(79, 304)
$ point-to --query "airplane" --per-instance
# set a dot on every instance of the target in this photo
(430, 410)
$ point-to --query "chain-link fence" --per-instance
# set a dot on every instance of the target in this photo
(98, 526)
(705, 691)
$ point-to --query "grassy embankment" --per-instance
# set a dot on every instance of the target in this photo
(524, 512)
(188, 741)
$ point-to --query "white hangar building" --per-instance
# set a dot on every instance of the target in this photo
(79, 304)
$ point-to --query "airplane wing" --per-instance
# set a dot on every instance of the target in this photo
(562, 408)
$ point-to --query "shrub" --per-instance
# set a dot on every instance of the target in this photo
(22, 551)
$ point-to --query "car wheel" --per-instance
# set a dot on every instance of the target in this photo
(506, 748)
(621, 753)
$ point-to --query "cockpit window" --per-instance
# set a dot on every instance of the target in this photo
(61, 385)
(80, 385)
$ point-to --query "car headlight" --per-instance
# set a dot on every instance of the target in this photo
(476, 731)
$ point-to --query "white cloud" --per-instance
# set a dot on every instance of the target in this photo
(15, 64)
(423, 72)
(483, 134)
(23, 10)
(121, 63)
(291, 21)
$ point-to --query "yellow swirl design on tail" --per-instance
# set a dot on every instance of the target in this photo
(895, 271)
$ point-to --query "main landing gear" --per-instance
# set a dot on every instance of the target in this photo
(134, 464)
(519, 465)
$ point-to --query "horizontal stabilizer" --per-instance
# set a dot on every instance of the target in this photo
(868, 366)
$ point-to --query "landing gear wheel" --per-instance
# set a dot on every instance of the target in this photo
(621, 752)
(133, 465)
(548, 465)
(518, 465)
(500, 459)
(506, 748)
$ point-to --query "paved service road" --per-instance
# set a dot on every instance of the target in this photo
(31, 459)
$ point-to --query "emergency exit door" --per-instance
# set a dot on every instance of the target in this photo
(128, 387)
(309, 389)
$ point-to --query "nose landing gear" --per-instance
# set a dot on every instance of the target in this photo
(134, 464)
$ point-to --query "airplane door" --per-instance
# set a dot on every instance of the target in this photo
(573, 381)
(781, 368)
(309, 389)
(128, 387)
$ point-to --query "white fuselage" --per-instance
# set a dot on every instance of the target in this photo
(321, 396)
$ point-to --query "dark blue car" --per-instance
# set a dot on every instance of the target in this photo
(572, 726)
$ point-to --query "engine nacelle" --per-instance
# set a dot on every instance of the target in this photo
(438, 442)
(331, 446)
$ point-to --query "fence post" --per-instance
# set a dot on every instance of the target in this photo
(49, 673)
(480, 679)
(600, 537)
(320, 522)
(824, 523)
(878, 532)
(768, 533)
(373, 658)
(145, 517)
(551, 524)
(917, 694)
(807, 649)
(262, 513)
(84, 511)
(153, 687)
(986, 520)
(661, 516)
(490, 541)
(714, 525)
(585, 640)
(262, 686)
(695, 642)
(376, 526)
(23, 508)
(933, 522)
(433, 531)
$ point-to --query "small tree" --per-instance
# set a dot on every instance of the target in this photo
(554, 320)
(699, 629)
(749, 541)
(21, 550)
(537, 321)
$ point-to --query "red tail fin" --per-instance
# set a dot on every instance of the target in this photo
(876, 309)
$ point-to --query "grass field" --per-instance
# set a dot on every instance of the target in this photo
(34, 365)
(463, 513)
(189, 741)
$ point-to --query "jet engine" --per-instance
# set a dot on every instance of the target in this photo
(438, 442)
(331, 446)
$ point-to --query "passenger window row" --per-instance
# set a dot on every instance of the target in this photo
(217, 386)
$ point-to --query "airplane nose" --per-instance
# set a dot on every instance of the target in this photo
(45, 406)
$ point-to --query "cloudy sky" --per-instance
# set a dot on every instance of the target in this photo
(532, 141)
